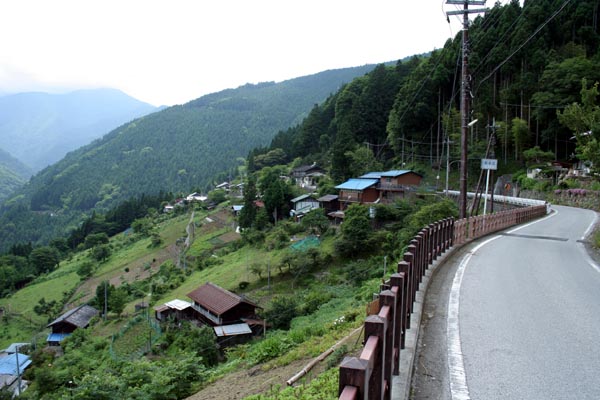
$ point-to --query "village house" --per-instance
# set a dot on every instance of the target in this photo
(306, 176)
(378, 187)
(357, 191)
(64, 325)
(217, 306)
(196, 197)
(227, 313)
(303, 204)
(329, 203)
(395, 184)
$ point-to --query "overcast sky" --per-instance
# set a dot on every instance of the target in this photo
(172, 51)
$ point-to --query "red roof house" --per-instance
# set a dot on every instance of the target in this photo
(218, 306)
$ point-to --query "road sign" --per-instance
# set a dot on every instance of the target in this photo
(489, 163)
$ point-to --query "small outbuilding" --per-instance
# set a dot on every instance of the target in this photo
(176, 309)
(303, 204)
(64, 325)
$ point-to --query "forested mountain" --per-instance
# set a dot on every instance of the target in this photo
(40, 128)
(176, 149)
(526, 64)
(13, 174)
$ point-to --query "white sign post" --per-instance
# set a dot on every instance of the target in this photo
(488, 164)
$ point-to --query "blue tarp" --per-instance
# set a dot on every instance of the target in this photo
(8, 364)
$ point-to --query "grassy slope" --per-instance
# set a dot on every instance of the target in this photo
(232, 268)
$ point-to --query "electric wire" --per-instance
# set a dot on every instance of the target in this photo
(524, 43)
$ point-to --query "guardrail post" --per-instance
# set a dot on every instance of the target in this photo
(388, 300)
(376, 326)
(397, 283)
(414, 247)
(354, 373)
(410, 259)
(404, 268)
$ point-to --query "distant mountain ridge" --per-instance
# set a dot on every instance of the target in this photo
(177, 149)
(41, 128)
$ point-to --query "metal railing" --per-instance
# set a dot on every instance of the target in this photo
(369, 376)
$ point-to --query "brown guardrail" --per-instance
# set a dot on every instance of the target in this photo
(369, 376)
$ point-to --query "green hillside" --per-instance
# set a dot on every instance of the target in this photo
(179, 149)
(13, 174)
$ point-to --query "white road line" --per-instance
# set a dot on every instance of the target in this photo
(590, 227)
(459, 390)
(581, 246)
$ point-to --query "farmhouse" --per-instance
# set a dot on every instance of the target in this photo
(361, 191)
(217, 306)
(305, 176)
(378, 187)
(303, 204)
(64, 325)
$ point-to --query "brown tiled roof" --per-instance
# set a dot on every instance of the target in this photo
(216, 299)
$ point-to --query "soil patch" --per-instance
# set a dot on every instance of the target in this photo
(241, 384)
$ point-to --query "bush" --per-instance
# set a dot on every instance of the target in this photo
(243, 285)
(313, 300)
(283, 310)
(270, 348)
(85, 270)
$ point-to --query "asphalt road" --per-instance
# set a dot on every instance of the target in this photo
(514, 316)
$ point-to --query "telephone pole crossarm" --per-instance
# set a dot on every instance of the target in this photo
(461, 12)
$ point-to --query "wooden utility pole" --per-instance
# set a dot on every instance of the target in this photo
(465, 93)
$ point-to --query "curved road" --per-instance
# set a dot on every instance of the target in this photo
(516, 316)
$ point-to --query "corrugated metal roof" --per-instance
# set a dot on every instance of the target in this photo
(357, 184)
(57, 337)
(232, 330)
(8, 364)
(302, 197)
(371, 175)
(216, 299)
(328, 197)
(178, 304)
(79, 317)
(13, 347)
(161, 308)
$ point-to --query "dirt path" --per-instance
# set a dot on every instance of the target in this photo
(241, 384)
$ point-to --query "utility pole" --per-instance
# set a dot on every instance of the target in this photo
(465, 93)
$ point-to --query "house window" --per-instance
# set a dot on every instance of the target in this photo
(388, 180)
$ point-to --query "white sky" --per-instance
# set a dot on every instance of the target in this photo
(172, 51)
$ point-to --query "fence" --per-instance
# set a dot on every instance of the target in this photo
(369, 376)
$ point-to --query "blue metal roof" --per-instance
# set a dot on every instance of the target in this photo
(57, 337)
(393, 172)
(8, 364)
(357, 184)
